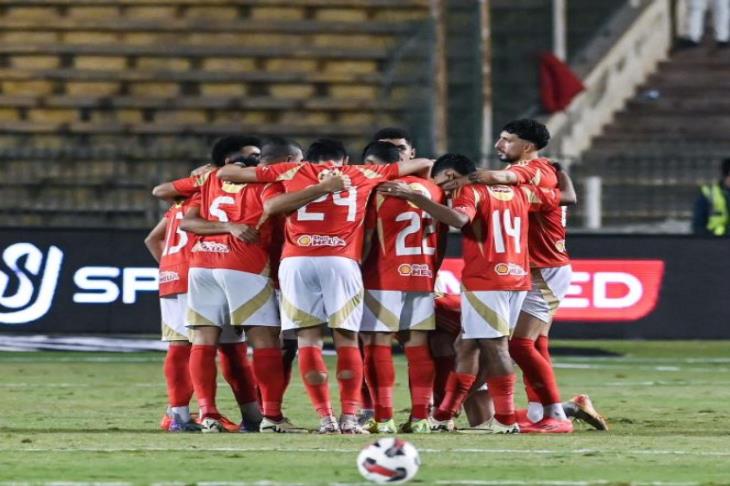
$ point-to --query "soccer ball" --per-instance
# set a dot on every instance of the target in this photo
(389, 460)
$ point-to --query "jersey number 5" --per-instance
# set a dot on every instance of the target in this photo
(182, 236)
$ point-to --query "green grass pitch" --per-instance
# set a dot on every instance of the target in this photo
(72, 417)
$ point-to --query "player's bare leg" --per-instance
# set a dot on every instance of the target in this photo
(444, 357)
(496, 364)
(350, 378)
(478, 405)
(421, 372)
(458, 385)
(380, 379)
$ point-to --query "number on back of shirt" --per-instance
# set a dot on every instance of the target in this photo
(182, 236)
(415, 221)
(349, 201)
(504, 229)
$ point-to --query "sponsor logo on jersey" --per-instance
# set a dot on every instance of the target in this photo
(503, 193)
(210, 247)
(560, 246)
(320, 240)
(232, 188)
(509, 269)
(329, 172)
(415, 270)
(169, 276)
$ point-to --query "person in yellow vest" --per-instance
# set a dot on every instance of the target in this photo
(712, 208)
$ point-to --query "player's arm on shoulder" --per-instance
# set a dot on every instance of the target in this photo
(568, 197)
(291, 201)
(494, 177)
(238, 174)
(438, 211)
(420, 167)
(155, 240)
(166, 191)
(194, 223)
(179, 188)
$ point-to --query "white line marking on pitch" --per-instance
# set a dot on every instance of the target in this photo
(465, 482)
(348, 450)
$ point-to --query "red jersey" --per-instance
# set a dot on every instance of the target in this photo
(495, 240)
(176, 253)
(403, 255)
(546, 235)
(235, 203)
(277, 233)
(331, 225)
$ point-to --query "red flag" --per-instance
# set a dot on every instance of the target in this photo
(558, 84)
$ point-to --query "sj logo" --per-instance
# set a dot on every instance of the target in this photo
(28, 287)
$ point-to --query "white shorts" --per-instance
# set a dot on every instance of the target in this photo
(315, 290)
(549, 286)
(172, 310)
(220, 297)
(397, 310)
(490, 314)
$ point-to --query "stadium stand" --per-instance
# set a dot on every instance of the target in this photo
(666, 142)
(99, 99)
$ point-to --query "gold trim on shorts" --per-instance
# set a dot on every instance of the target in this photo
(298, 316)
(382, 313)
(550, 298)
(243, 313)
(196, 319)
(170, 334)
(339, 317)
(494, 320)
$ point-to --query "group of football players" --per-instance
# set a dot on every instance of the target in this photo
(274, 247)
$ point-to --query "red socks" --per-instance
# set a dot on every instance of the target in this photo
(457, 388)
(203, 374)
(421, 373)
(444, 366)
(501, 389)
(268, 367)
(370, 382)
(538, 372)
(238, 371)
(542, 346)
(380, 377)
(177, 376)
(310, 361)
(349, 376)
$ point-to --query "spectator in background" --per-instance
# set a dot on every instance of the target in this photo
(712, 208)
(695, 22)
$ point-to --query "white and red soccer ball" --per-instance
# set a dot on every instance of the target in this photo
(389, 460)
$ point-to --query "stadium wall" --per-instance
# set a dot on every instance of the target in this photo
(630, 287)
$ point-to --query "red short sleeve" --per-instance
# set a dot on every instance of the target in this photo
(465, 201)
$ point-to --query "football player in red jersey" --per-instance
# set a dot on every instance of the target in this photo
(319, 274)
(276, 150)
(230, 285)
(376, 152)
(518, 145)
(495, 281)
(232, 348)
(398, 274)
(170, 247)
